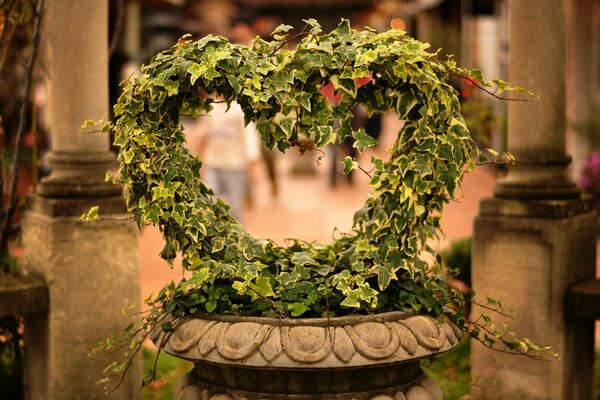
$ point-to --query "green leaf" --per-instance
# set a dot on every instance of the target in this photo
(196, 71)
(172, 87)
(235, 83)
(166, 327)
(153, 214)
(281, 31)
(405, 102)
(199, 277)
(323, 135)
(346, 85)
(352, 299)
(305, 101)
(280, 82)
(90, 215)
(285, 278)
(314, 25)
(350, 164)
(493, 152)
(303, 258)
(210, 306)
(211, 73)
(262, 286)
(297, 309)
(286, 123)
(362, 140)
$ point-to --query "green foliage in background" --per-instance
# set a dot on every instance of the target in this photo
(457, 258)
(169, 370)
(385, 263)
(452, 370)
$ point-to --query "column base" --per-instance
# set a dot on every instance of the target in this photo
(538, 178)
(74, 207)
(79, 175)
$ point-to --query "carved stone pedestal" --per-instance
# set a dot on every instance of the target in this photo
(526, 254)
(358, 357)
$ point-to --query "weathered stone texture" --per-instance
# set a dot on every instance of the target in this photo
(528, 264)
(374, 357)
(91, 272)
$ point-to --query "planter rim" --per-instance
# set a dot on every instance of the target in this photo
(308, 343)
(344, 320)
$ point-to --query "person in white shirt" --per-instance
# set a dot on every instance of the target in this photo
(229, 152)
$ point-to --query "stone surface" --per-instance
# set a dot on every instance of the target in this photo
(368, 357)
(528, 263)
(77, 89)
(91, 273)
(91, 269)
(21, 295)
(536, 129)
(537, 236)
(583, 299)
(423, 388)
(304, 343)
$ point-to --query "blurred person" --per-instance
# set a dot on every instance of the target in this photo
(264, 25)
(230, 153)
(243, 32)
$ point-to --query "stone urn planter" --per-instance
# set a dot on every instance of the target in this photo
(353, 357)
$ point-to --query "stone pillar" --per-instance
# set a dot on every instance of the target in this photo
(536, 236)
(90, 268)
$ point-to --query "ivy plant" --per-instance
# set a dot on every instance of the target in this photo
(386, 262)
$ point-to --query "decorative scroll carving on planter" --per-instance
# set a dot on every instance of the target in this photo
(240, 340)
(426, 330)
(343, 347)
(307, 344)
(272, 347)
(194, 331)
(374, 340)
(337, 342)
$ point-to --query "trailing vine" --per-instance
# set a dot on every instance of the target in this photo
(386, 262)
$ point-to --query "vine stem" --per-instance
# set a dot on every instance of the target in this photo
(481, 87)
(275, 307)
(289, 39)
(359, 166)
(12, 194)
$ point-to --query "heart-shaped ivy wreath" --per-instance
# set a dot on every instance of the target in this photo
(379, 266)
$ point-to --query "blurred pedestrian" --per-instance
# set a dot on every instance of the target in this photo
(244, 31)
(230, 153)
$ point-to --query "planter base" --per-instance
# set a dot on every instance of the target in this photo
(424, 388)
(359, 357)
